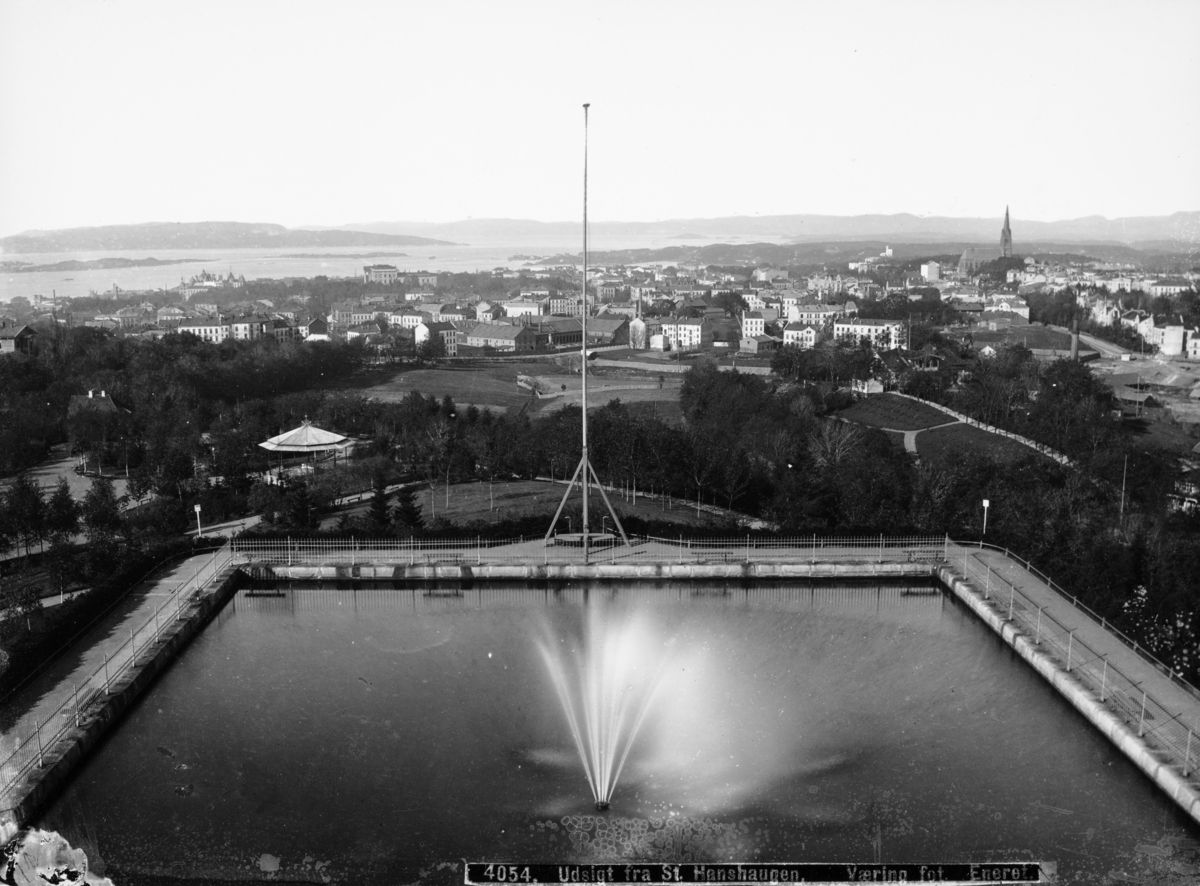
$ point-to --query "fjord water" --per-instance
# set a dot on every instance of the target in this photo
(336, 735)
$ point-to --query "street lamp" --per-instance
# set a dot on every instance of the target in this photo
(199, 531)
(986, 503)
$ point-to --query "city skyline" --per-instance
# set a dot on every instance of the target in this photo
(386, 113)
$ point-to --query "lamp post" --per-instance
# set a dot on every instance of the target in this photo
(199, 530)
(986, 503)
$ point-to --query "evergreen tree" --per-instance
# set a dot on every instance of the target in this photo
(62, 516)
(379, 515)
(408, 517)
(299, 510)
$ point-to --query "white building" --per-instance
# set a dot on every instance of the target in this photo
(883, 334)
(683, 335)
(753, 324)
(801, 335)
(931, 272)
(380, 274)
(212, 331)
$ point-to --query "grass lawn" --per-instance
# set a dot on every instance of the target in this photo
(943, 445)
(494, 386)
(485, 385)
(898, 413)
(469, 502)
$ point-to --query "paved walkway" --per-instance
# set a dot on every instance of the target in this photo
(1103, 642)
(42, 698)
(910, 437)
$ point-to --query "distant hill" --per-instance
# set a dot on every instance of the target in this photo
(836, 252)
(199, 235)
(1179, 232)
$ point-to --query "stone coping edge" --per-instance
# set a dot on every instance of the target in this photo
(65, 756)
(1084, 700)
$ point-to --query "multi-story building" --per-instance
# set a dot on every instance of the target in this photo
(503, 337)
(380, 274)
(882, 334)
(565, 305)
(684, 335)
(523, 306)
(249, 328)
(753, 324)
(815, 314)
(444, 330)
(213, 331)
(801, 335)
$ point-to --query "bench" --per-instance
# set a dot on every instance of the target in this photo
(924, 555)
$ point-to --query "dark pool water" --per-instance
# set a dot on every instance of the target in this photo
(352, 735)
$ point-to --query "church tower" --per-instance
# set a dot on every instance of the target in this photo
(1006, 237)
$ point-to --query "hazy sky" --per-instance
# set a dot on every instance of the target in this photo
(338, 112)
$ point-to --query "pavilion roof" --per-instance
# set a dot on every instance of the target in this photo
(306, 438)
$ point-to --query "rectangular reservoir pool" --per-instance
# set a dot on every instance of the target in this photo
(348, 735)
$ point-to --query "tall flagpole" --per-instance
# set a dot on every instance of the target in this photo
(585, 473)
(583, 346)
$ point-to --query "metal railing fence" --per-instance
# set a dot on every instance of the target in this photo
(34, 748)
(1167, 670)
(1128, 699)
(566, 548)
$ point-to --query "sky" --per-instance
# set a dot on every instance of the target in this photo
(304, 113)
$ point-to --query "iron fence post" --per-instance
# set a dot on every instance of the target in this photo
(1070, 643)
(814, 548)
(41, 762)
(987, 585)
(75, 691)
(132, 647)
(1187, 756)
(105, 673)
(1012, 594)
(156, 608)
(1104, 680)
(881, 547)
(1037, 641)
(1142, 719)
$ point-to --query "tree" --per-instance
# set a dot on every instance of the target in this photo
(140, 485)
(379, 515)
(101, 512)
(62, 512)
(433, 348)
(26, 510)
(407, 515)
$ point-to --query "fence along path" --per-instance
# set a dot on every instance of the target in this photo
(1153, 700)
(566, 549)
(53, 704)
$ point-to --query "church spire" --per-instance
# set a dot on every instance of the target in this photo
(1006, 237)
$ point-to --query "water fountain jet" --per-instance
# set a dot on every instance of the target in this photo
(605, 684)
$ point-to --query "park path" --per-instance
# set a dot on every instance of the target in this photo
(1095, 635)
(910, 437)
(106, 641)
